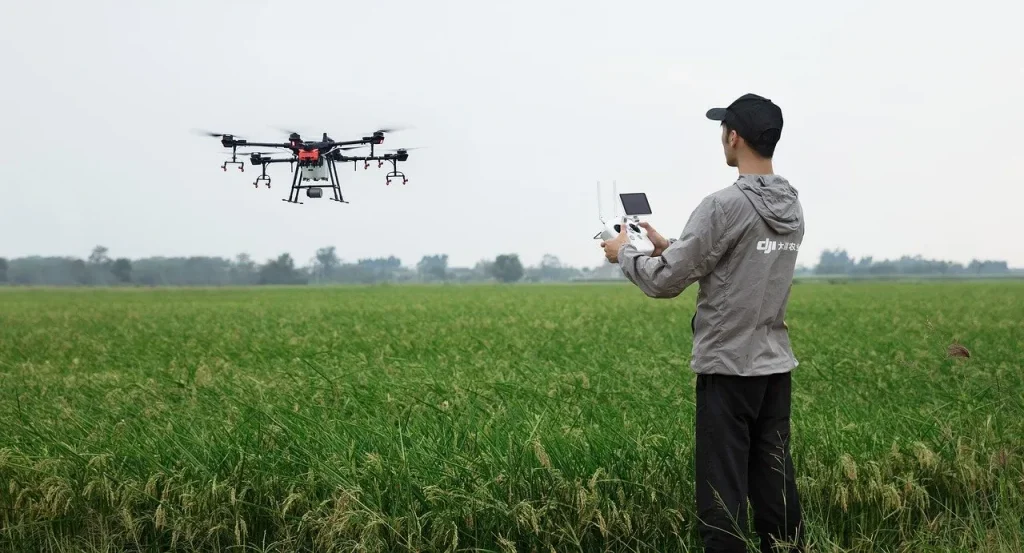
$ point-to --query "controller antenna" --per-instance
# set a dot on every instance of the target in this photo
(615, 198)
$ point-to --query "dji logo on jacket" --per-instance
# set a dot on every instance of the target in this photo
(768, 246)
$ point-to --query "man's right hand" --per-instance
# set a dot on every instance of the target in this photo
(659, 241)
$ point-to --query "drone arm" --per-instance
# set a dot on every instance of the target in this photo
(262, 144)
(385, 157)
(336, 156)
(354, 142)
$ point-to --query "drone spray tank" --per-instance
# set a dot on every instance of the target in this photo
(315, 171)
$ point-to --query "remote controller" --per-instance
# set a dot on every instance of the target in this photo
(634, 205)
(637, 235)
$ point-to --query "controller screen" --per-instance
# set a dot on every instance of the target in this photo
(635, 204)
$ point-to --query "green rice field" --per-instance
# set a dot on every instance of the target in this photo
(531, 418)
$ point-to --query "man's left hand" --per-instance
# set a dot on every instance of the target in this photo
(611, 247)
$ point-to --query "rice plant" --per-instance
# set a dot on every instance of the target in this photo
(488, 418)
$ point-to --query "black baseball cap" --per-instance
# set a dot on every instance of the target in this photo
(755, 118)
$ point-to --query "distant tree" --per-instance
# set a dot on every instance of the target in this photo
(834, 263)
(281, 271)
(550, 261)
(80, 273)
(184, 271)
(122, 269)
(507, 268)
(3, 270)
(378, 269)
(987, 267)
(607, 270)
(885, 267)
(98, 268)
(551, 268)
(862, 267)
(838, 262)
(327, 262)
(244, 271)
(433, 267)
(369, 270)
(99, 256)
(390, 263)
(484, 269)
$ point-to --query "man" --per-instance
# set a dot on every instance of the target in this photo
(740, 245)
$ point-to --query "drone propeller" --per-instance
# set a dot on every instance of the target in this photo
(391, 129)
(213, 134)
(286, 131)
(294, 133)
(406, 149)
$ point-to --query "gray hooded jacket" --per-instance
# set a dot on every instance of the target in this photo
(740, 244)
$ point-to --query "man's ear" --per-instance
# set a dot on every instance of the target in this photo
(729, 137)
(735, 139)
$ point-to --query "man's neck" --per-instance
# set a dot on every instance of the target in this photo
(759, 166)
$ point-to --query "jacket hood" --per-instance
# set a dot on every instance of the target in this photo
(774, 199)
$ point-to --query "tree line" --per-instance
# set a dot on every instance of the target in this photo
(326, 267)
(839, 262)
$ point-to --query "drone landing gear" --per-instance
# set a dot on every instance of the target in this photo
(335, 187)
(293, 194)
(263, 177)
(394, 174)
(239, 163)
(234, 161)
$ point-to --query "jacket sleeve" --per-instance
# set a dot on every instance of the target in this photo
(685, 260)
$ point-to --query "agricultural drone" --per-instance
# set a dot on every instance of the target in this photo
(313, 162)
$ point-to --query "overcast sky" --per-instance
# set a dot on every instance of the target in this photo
(902, 133)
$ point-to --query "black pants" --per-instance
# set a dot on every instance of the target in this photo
(743, 452)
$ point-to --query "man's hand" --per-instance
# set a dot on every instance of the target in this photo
(659, 241)
(611, 247)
